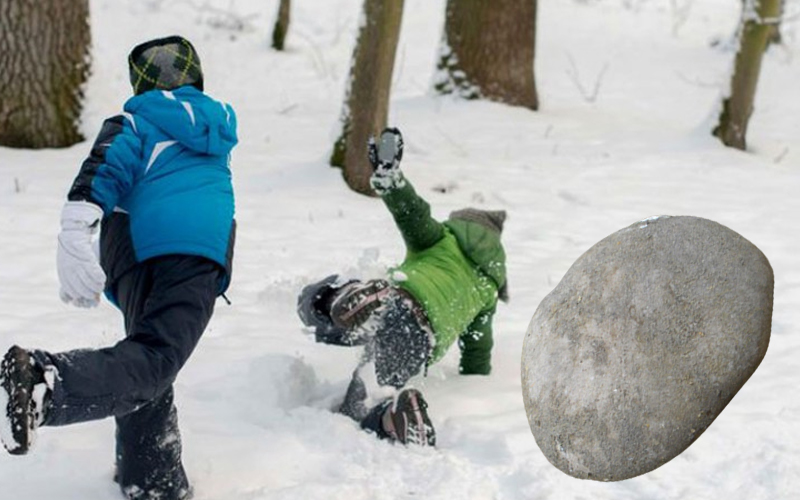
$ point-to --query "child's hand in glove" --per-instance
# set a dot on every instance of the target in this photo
(385, 159)
(82, 279)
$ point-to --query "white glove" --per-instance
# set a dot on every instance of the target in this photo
(82, 279)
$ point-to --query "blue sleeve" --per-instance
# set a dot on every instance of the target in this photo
(109, 171)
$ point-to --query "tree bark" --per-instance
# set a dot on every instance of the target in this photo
(487, 51)
(366, 103)
(44, 62)
(738, 106)
(281, 25)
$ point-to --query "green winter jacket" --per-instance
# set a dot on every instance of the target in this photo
(454, 270)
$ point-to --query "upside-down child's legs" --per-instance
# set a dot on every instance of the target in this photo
(398, 348)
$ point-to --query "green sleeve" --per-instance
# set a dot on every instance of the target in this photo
(476, 345)
(412, 215)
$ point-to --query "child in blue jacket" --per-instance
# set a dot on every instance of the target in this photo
(157, 186)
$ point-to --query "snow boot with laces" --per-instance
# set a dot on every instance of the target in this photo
(355, 302)
(405, 420)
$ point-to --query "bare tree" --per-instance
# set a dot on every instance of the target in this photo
(44, 61)
(758, 20)
(281, 25)
(366, 104)
(487, 51)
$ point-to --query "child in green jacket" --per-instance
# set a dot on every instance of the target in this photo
(445, 290)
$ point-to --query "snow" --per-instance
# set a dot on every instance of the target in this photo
(254, 398)
(6, 427)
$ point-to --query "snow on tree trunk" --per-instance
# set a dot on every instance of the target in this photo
(44, 62)
(366, 103)
(487, 51)
(758, 21)
(281, 25)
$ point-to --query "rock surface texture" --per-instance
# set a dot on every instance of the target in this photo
(642, 344)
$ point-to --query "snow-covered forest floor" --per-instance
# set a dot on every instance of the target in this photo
(628, 91)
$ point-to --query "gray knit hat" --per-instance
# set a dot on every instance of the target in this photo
(165, 64)
(491, 219)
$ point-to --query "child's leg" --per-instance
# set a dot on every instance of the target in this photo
(167, 304)
(403, 341)
(412, 214)
(149, 452)
(397, 350)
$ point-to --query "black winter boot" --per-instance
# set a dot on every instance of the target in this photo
(22, 384)
(314, 309)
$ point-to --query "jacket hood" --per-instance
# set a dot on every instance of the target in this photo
(190, 117)
(483, 247)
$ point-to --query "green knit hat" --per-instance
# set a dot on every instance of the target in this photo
(165, 64)
(490, 219)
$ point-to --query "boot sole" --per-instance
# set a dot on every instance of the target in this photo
(16, 380)
(352, 310)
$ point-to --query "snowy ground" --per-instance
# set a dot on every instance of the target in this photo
(254, 398)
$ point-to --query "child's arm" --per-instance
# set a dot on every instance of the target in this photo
(103, 177)
(476, 345)
(411, 213)
(108, 172)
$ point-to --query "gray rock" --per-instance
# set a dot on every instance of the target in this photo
(642, 344)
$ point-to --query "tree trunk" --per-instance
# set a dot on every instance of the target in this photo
(738, 106)
(487, 51)
(281, 25)
(775, 37)
(366, 103)
(44, 62)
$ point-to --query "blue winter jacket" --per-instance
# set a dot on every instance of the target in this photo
(161, 173)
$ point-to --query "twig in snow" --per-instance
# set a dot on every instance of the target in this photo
(287, 109)
(781, 156)
(341, 26)
(317, 57)
(680, 14)
(576, 79)
(445, 188)
(633, 5)
(400, 66)
(224, 18)
(696, 82)
(461, 151)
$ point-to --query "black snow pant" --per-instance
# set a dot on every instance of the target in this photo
(398, 346)
(167, 303)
